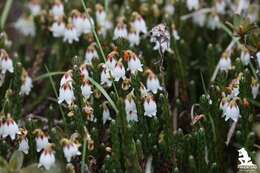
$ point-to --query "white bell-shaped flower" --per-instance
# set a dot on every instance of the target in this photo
(254, 88)
(133, 38)
(70, 149)
(119, 71)
(139, 23)
(91, 54)
(245, 57)
(225, 63)
(47, 158)
(57, 10)
(86, 89)
(27, 85)
(130, 108)
(106, 114)
(25, 26)
(6, 63)
(66, 94)
(58, 29)
(150, 107)
(66, 78)
(106, 77)
(192, 4)
(10, 128)
(120, 31)
(70, 34)
(153, 83)
(35, 8)
(133, 62)
(84, 71)
(41, 139)
(24, 146)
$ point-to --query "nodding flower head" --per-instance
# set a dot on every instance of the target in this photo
(57, 10)
(139, 23)
(47, 158)
(86, 89)
(225, 62)
(152, 82)
(254, 88)
(26, 83)
(66, 93)
(119, 71)
(120, 30)
(133, 62)
(91, 54)
(67, 77)
(41, 138)
(70, 149)
(10, 128)
(6, 63)
(23, 141)
(150, 106)
(84, 74)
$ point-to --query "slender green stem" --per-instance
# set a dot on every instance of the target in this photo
(56, 93)
(46, 75)
(83, 155)
(106, 6)
(5, 13)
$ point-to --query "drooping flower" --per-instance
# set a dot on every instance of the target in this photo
(152, 82)
(220, 6)
(103, 22)
(86, 89)
(232, 111)
(25, 26)
(120, 30)
(199, 19)
(225, 62)
(81, 22)
(150, 107)
(161, 37)
(111, 60)
(35, 7)
(139, 23)
(57, 10)
(119, 71)
(10, 128)
(91, 54)
(6, 63)
(133, 62)
(106, 77)
(133, 37)
(58, 28)
(169, 9)
(245, 57)
(41, 139)
(84, 74)
(47, 158)
(175, 33)
(66, 93)
(23, 141)
(70, 149)
(24, 146)
(66, 78)
(130, 108)
(70, 34)
(26, 83)
(106, 114)
(254, 88)
(192, 4)
(89, 112)
(2, 122)
(213, 21)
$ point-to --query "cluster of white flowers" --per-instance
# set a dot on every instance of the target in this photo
(221, 7)
(137, 27)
